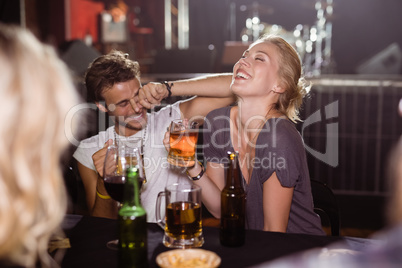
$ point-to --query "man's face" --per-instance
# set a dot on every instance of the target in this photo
(119, 104)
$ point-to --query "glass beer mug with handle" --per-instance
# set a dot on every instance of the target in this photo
(182, 222)
(182, 142)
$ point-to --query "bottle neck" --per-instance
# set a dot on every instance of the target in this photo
(134, 197)
(131, 199)
(233, 177)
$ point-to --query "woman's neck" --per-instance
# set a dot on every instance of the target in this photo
(251, 117)
(248, 120)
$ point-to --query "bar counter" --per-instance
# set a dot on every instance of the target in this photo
(89, 235)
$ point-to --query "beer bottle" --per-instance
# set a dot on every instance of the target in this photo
(132, 221)
(233, 206)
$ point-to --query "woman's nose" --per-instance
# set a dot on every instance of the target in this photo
(243, 61)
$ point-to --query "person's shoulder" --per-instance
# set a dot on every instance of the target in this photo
(101, 134)
(91, 139)
(217, 119)
(97, 140)
(219, 112)
(283, 123)
(283, 131)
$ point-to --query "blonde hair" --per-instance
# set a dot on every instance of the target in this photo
(290, 75)
(37, 92)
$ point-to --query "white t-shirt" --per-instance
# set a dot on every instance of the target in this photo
(158, 172)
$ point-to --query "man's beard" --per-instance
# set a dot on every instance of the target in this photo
(137, 126)
(131, 127)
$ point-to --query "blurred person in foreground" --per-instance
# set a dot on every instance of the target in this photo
(37, 92)
(113, 84)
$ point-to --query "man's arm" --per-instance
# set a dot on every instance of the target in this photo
(196, 109)
(97, 206)
(212, 91)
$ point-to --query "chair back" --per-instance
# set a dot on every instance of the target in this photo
(326, 205)
(75, 189)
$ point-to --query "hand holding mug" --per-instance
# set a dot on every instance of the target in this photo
(99, 157)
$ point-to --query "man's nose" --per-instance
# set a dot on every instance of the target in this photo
(135, 105)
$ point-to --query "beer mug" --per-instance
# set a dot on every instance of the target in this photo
(183, 141)
(126, 145)
(182, 222)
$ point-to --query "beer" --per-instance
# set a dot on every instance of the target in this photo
(182, 148)
(233, 206)
(125, 161)
(183, 220)
(183, 140)
(132, 222)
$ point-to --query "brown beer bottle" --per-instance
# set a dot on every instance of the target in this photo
(133, 248)
(233, 206)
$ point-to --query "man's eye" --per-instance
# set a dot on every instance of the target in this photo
(123, 104)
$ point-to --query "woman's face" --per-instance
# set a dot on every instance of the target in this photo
(256, 73)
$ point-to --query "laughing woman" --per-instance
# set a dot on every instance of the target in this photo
(269, 88)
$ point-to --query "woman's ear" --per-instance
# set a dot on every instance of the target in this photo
(101, 107)
(278, 89)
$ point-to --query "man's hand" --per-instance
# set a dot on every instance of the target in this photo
(99, 157)
(166, 139)
(152, 94)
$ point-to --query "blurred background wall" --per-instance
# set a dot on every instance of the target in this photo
(360, 29)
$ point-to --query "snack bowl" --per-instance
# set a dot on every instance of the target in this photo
(188, 258)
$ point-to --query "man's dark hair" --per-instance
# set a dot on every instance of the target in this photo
(107, 70)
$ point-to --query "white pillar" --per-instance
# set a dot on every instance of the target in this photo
(183, 24)
(168, 24)
(177, 26)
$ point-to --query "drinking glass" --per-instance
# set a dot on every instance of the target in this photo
(134, 142)
(117, 160)
(182, 141)
(182, 222)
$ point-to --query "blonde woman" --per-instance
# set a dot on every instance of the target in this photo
(36, 94)
(269, 88)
